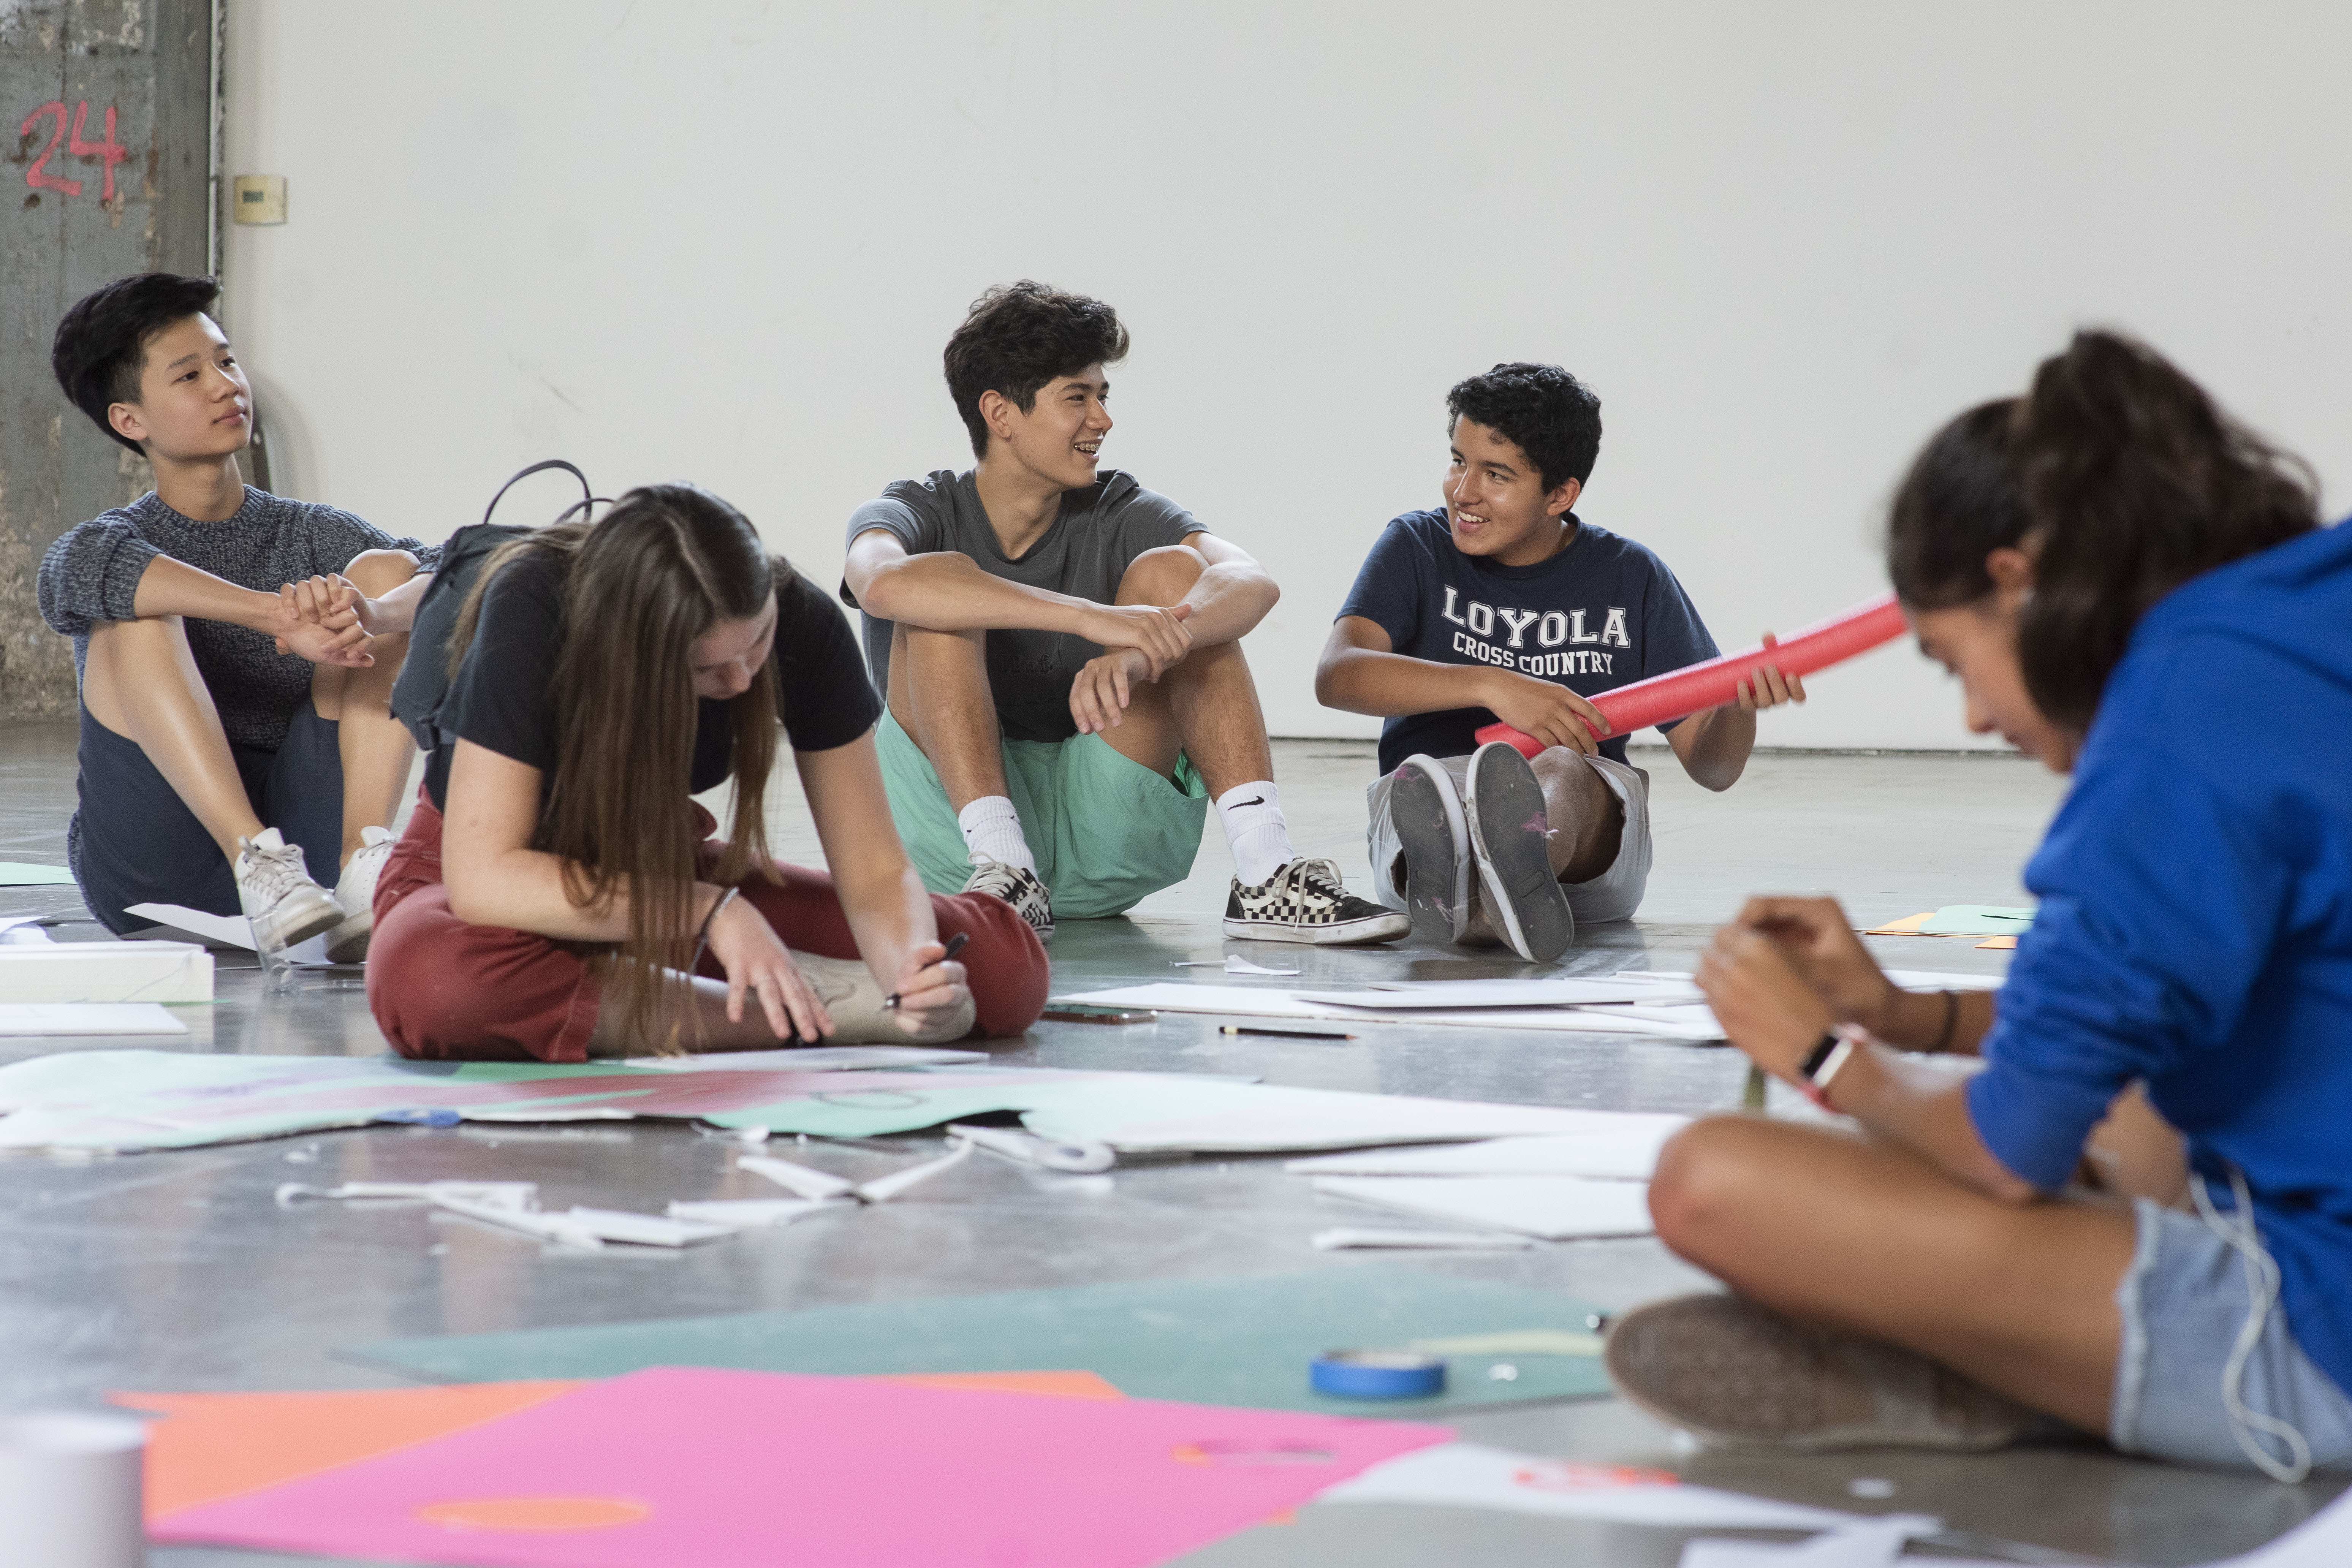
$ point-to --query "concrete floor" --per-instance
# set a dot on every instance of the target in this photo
(175, 1270)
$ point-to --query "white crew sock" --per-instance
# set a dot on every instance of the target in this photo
(1255, 829)
(992, 827)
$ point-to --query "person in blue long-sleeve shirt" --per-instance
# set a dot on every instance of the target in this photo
(2136, 1218)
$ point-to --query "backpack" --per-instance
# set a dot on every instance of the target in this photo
(423, 683)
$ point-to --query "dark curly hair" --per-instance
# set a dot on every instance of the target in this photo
(102, 345)
(1542, 410)
(2123, 477)
(1019, 336)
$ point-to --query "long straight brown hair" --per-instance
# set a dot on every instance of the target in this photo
(641, 583)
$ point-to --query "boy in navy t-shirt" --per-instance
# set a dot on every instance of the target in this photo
(1503, 605)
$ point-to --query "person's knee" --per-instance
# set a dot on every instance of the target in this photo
(1162, 576)
(1707, 1173)
(376, 573)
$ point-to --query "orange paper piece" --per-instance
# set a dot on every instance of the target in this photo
(1908, 926)
(2003, 942)
(208, 1447)
(211, 1446)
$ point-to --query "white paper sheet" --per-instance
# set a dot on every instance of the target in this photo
(1578, 991)
(1339, 1237)
(1943, 980)
(800, 1181)
(2323, 1541)
(1553, 1207)
(1876, 1545)
(1245, 1001)
(228, 933)
(810, 1058)
(1472, 1475)
(1233, 964)
(1628, 1155)
(87, 1018)
(753, 1214)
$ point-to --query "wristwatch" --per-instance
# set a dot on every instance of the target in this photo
(1823, 1061)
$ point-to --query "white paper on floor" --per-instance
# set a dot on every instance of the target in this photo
(1341, 1236)
(1628, 1155)
(2323, 1541)
(1569, 991)
(105, 972)
(588, 1227)
(1694, 1024)
(1233, 964)
(753, 1214)
(810, 1058)
(506, 1195)
(1875, 1545)
(231, 934)
(1553, 1207)
(1472, 1475)
(87, 1018)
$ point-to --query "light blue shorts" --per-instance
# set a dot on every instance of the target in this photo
(2184, 1300)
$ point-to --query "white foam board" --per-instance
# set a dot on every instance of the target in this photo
(105, 972)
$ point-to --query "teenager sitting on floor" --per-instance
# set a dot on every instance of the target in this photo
(233, 744)
(558, 883)
(1504, 604)
(1061, 652)
(2132, 589)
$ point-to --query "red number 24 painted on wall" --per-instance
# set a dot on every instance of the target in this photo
(37, 175)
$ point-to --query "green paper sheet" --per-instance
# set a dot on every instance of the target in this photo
(25, 874)
(1243, 1341)
(1978, 920)
(128, 1100)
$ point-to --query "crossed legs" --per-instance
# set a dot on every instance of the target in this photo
(141, 681)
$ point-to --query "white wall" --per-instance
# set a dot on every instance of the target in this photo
(725, 240)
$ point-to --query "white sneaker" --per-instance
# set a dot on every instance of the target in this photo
(355, 895)
(282, 903)
(1017, 886)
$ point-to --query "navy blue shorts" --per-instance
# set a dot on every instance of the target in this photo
(134, 841)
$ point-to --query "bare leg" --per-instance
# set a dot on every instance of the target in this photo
(141, 681)
(1206, 706)
(1862, 1237)
(376, 747)
(940, 696)
(1588, 820)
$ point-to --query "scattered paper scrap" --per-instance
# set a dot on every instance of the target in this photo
(1556, 1208)
(1960, 919)
(105, 972)
(2000, 944)
(1340, 1238)
(1077, 1159)
(506, 1194)
(588, 1227)
(753, 1214)
(882, 1189)
(19, 1019)
(807, 1183)
(1629, 1155)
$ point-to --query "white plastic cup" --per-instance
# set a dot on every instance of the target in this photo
(69, 1491)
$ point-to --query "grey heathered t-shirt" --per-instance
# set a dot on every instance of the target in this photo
(1095, 539)
(91, 575)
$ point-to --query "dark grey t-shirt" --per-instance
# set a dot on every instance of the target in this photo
(1097, 537)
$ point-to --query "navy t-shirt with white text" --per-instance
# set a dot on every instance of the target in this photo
(1603, 613)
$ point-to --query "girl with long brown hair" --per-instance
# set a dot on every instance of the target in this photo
(559, 894)
(2136, 1218)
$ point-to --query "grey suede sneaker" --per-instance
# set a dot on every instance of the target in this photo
(1740, 1377)
(1510, 837)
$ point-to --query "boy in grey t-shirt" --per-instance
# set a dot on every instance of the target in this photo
(1060, 652)
(235, 650)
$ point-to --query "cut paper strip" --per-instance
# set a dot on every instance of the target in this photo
(734, 1469)
(1341, 1237)
(1908, 926)
(205, 1448)
(21, 1018)
(1631, 1155)
(802, 1181)
(25, 874)
(1245, 1340)
(1556, 1208)
(125, 1100)
(752, 1213)
(1472, 1475)
(2003, 943)
(105, 972)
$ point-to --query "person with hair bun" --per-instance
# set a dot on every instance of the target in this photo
(559, 894)
(2133, 1218)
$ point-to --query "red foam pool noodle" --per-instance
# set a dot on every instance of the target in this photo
(1696, 688)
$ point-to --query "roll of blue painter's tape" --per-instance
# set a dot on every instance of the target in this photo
(1377, 1375)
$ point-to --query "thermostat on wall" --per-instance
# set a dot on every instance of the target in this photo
(259, 198)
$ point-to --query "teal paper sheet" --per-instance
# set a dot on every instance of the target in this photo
(1978, 920)
(1242, 1341)
(126, 1100)
(25, 874)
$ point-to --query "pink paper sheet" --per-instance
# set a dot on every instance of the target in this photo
(718, 1469)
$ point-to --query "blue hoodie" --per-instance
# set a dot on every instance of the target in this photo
(2196, 921)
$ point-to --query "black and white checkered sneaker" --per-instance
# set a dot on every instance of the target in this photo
(1305, 901)
(1017, 886)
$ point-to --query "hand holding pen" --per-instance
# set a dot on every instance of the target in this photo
(931, 981)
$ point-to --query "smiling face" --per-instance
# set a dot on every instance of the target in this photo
(1978, 643)
(726, 658)
(1495, 502)
(193, 399)
(1060, 437)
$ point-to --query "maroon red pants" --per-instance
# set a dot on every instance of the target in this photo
(445, 990)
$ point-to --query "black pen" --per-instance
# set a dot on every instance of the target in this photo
(954, 945)
(1283, 1033)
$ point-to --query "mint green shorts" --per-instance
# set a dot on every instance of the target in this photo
(1106, 830)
